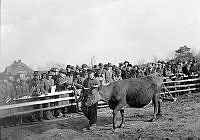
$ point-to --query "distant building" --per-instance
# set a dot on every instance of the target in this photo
(17, 68)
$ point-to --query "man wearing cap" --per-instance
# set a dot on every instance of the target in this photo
(91, 111)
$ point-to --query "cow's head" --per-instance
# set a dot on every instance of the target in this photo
(158, 79)
(94, 96)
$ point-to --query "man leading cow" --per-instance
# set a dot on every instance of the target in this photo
(91, 111)
(133, 92)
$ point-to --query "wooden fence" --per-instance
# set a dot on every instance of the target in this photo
(67, 98)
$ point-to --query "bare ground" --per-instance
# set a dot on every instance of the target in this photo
(180, 119)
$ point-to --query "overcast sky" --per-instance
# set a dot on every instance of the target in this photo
(71, 31)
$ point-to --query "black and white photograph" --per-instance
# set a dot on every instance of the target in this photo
(100, 69)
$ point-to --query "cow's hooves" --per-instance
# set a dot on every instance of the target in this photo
(85, 129)
(159, 115)
(115, 130)
(120, 126)
(117, 125)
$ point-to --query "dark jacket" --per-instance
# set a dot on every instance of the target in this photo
(186, 71)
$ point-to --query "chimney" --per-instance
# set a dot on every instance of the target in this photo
(15, 61)
(19, 61)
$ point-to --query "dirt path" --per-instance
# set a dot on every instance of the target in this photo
(180, 119)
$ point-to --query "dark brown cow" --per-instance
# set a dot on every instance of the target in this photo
(134, 93)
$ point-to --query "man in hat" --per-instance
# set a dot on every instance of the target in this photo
(50, 80)
(47, 87)
(45, 82)
(78, 67)
(117, 76)
(61, 85)
(107, 74)
(65, 83)
(11, 87)
(37, 89)
(7, 89)
(53, 80)
(91, 111)
(18, 88)
(84, 74)
(128, 72)
(84, 67)
(100, 67)
(78, 80)
(126, 63)
(68, 68)
(3, 94)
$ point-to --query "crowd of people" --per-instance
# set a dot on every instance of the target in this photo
(84, 76)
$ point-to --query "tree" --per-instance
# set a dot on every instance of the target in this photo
(183, 53)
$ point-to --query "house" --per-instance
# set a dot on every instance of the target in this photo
(17, 68)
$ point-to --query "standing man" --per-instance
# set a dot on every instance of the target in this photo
(107, 74)
(11, 93)
(117, 75)
(47, 87)
(91, 111)
(37, 89)
(128, 72)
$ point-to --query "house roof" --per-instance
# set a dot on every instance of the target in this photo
(18, 67)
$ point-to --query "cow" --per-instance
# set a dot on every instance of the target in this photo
(132, 93)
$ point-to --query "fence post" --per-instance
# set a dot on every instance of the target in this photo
(176, 94)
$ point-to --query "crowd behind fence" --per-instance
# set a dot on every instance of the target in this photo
(25, 95)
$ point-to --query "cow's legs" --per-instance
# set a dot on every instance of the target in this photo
(159, 101)
(115, 111)
(155, 104)
(122, 121)
(159, 107)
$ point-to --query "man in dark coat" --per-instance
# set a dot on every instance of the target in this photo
(128, 72)
(91, 111)
(186, 69)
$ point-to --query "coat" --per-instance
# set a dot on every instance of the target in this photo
(88, 83)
